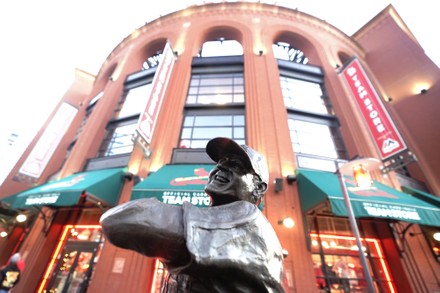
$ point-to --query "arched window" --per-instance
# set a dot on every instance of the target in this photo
(152, 61)
(284, 51)
(221, 47)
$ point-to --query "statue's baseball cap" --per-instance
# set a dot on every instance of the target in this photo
(218, 147)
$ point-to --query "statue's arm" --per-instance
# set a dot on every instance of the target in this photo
(149, 227)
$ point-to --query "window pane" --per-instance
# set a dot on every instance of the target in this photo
(186, 133)
(216, 89)
(239, 120)
(191, 100)
(303, 95)
(189, 121)
(216, 81)
(135, 101)
(208, 131)
(221, 47)
(213, 120)
(312, 138)
(239, 98)
(207, 127)
(199, 143)
(121, 140)
(238, 132)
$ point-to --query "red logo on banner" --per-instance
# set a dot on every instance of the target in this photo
(148, 118)
(387, 138)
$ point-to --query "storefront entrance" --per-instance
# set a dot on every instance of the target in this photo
(338, 268)
(73, 260)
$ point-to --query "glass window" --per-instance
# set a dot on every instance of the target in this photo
(215, 101)
(120, 139)
(338, 267)
(284, 51)
(219, 89)
(221, 47)
(74, 263)
(135, 101)
(121, 129)
(314, 129)
(312, 138)
(199, 129)
(95, 99)
(303, 95)
(152, 61)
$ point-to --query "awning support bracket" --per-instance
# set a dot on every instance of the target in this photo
(46, 219)
(402, 239)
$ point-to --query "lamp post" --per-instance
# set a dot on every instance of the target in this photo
(359, 169)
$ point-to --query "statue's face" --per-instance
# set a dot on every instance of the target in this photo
(231, 180)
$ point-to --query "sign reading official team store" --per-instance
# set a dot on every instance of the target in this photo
(389, 211)
(176, 184)
(44, 199)
(178, 198)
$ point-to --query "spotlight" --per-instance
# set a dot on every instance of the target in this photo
(287, 222)
(21, 218)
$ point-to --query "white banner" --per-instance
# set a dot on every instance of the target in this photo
(43, 150)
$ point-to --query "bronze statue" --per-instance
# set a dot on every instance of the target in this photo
(228, 247)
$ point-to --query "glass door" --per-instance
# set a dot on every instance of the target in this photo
(338, 268)
(74, 268)
(73, 261)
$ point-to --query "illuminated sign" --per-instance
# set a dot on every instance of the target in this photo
(384, 132)
(148, 118)
(40, 155)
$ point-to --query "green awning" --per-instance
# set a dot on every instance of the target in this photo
(174, 184)
(432, 199)
(102, 186)
(319, 188)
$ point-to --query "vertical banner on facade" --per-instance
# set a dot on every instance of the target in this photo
(148, 118)
(384, 132)
(43, 150)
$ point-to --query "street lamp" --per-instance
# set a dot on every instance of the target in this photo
(359, 169)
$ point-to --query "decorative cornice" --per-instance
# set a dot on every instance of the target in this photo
(238, 8)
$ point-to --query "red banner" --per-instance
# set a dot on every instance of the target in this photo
(384, 132)
(148, 118)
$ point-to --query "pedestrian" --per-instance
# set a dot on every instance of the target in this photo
(227, 247)
(10, 273)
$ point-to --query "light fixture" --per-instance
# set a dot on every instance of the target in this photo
(423, 91)
(291, 178)
(130, 176)
(278, 184)
(4, 228)
(435, 236)
(21, 218)
(287, 222)
(359, 169)
(361, 176)
(260, 52)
